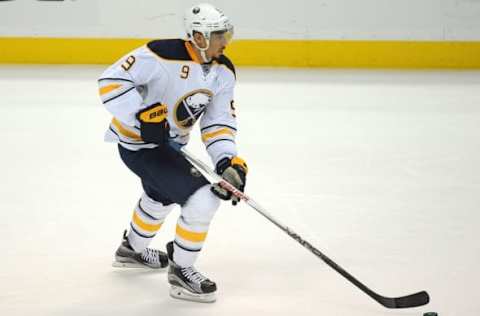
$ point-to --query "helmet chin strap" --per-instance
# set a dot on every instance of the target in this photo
(203, 50)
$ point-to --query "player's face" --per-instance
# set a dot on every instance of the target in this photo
(218, 43)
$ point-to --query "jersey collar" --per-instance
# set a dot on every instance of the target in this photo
(193, 54)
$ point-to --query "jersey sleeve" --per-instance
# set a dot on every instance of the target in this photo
(219, 125)
(121, 86)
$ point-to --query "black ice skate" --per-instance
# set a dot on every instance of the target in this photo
(126, 257)
(189, 284)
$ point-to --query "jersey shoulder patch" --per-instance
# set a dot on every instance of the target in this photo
(173, 49)
(223, 60)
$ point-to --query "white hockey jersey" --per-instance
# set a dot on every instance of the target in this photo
(169, 72)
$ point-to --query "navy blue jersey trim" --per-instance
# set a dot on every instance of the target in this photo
(115, 79)
(173, 49)
(224, 60)
(122, 141)
(106, 101)
(219, 140)
(221, 125)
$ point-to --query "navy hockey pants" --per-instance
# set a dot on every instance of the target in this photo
(167, 177)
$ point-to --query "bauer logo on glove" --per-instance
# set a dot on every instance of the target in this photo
(154, 126)
(153, 114)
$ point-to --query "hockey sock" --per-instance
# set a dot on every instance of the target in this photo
(148, 217)
(192, 226)
(189, 239)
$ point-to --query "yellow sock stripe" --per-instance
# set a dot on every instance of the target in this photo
(190, 236)
(124, 131)
(222, 131)
(152, 228)
(109, 88)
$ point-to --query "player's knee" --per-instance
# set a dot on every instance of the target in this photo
(154, 208)
(201, 206)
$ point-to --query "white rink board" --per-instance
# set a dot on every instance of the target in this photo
(269, 19)
(377, 169)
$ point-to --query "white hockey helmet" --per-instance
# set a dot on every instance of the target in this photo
(206, 19)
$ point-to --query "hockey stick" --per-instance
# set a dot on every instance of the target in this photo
(413, 300)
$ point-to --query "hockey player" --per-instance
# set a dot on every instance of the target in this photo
(156, 94)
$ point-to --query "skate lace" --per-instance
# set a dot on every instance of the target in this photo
(151, 255)
(193, 275)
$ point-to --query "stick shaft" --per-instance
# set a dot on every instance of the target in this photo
(413, 300)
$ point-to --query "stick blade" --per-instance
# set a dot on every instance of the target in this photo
(413, 300)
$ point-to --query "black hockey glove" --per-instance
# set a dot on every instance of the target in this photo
(154, 127)
(234, 171)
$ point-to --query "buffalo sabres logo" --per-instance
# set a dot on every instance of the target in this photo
(190, 107)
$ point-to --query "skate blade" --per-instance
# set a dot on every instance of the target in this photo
(183, 294)
(131, 265)
(117, 264)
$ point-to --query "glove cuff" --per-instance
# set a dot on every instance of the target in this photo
(234, 162)
(223, 164)
(237, 161)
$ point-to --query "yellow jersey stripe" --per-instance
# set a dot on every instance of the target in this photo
(109, 88)
(124, 131)
(152, 228)
(189, 235)
(223, 131)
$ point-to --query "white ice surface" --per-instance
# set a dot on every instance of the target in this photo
(379, 170)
